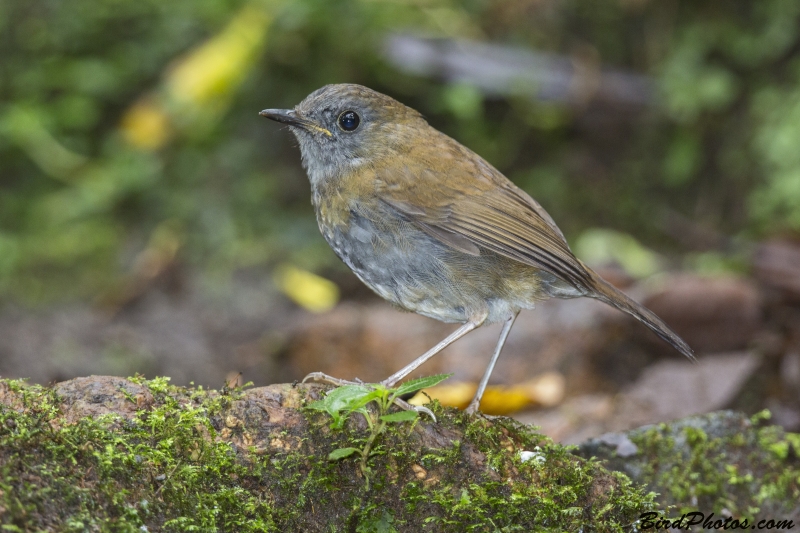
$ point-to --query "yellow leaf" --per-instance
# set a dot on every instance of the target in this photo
(457, 394)
(308, 290)
(546, 390)
(198, 86)
(220, 64)
(504, 400)
(146, 125)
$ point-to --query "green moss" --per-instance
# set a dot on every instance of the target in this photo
(721, 462)
(195, 460)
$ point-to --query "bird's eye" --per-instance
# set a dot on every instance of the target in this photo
(349, 120)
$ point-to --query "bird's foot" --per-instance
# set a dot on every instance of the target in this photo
(321, 377)
(472, 408)
(404, 405)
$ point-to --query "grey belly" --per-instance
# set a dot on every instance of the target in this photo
(418, 273)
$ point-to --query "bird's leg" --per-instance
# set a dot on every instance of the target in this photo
(395, 378)
(476, 401)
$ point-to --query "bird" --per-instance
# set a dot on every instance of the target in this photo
(431, 226)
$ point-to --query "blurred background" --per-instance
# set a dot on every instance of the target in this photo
(152, 222)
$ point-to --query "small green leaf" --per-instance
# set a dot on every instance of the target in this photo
(420, 383)
(340, 398)
(317, 405)
(400, 416)
(341, 453)
(338, 421)
(348, 399)
(357, 403)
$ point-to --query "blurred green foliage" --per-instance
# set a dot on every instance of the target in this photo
(129, 133)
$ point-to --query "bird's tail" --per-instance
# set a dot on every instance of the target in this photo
(605, 292)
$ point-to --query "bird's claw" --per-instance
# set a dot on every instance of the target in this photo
(472, 408)
(321, 377)
(404, 405)
(423, 409)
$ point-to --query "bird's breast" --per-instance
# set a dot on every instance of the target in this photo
(360, 241)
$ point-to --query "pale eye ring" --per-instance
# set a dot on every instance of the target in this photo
(349, 121)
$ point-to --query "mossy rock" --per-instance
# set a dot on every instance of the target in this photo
(110, 454)
(723, 463)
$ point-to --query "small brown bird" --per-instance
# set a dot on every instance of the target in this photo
(431, 226)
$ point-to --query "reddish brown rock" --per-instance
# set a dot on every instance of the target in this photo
(777, 266)
(711, 314)
(98, 395)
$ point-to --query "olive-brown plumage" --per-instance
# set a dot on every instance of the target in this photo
(431, 226)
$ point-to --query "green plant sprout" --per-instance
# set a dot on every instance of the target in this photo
(342, 401)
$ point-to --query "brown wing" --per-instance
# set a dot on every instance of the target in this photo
(455, 196)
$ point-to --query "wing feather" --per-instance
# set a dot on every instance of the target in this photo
(469, 204)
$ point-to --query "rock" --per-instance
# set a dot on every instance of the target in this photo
(673, 389)
(147, 455)
(711, 314)
(254, 460)
(718, 463)
(666, 390)
(622, 445)
(777, 265)
(577, 419)
(97, 395)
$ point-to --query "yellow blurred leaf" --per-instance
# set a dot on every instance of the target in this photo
(502, 401)
(146, 125)
(220, 64)
(199, 85)
(308, 290)
(457, 394)
(545, 390)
